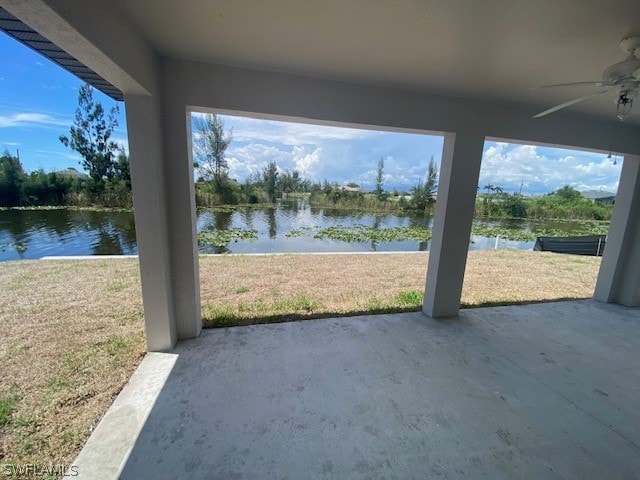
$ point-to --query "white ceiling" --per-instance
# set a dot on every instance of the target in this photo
(490, 49)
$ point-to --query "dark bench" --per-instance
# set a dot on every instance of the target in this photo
(586, 245)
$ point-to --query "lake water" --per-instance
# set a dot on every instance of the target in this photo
(30, 234)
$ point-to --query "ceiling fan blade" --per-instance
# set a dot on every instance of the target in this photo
(578, 84)
(569, 103)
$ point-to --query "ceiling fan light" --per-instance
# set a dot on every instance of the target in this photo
(624, 107)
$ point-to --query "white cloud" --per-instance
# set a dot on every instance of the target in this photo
(308, 164)
(288, 133)
(250, 159)
(58, 154)
(315, 162)
(367, 178)
(510, 166)
(11, 144)
(29, 119)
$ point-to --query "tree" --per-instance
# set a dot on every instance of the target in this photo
(270, 179)
(419, 197)
(568, 193)
(11, 179)
(431, 185)
(90, 136)
(379, 190)
(423, 195)
(210, 145)
(514, 206)
(289, 182)
(123, 168)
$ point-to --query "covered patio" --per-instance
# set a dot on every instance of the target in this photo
(533, 392)
(537, 391)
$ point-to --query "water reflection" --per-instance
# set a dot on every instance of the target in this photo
(423, 222)
(271, 220)
(247, 217)
(36, 233)
(376, 226)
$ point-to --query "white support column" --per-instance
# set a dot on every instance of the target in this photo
(149, 203)
(619, 276)
(181, 210)
(457, 188)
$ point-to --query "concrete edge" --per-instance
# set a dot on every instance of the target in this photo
(206, 255)
(85, 257)
(105, 453)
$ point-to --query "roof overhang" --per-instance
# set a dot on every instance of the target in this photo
(17, 29)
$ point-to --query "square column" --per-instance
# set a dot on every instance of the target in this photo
(149, 207)
(457, 188)
(181, 211)
(166, 247)
(619, 276)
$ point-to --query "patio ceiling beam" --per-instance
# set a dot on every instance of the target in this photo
(259, 92)
(98, 35)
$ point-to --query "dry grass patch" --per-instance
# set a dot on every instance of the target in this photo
(503, 277)
(71, 332)
(239, 290)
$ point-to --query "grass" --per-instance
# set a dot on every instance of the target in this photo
(265, 289)
(7, 404)
(72, 332)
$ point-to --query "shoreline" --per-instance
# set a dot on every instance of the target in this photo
(233, 207)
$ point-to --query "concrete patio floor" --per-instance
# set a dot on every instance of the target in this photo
(537, 391)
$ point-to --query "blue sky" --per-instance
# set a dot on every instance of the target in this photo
(37, 104)
(38, 100)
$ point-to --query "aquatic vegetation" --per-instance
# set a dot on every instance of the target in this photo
(220, 238)
(519, 234)
(364, 234)
(235, 208)
(20, 247)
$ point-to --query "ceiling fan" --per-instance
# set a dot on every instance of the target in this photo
(623, 76)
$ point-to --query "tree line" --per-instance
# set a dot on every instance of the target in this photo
(215, 187)
(108, 183)
(565, 203)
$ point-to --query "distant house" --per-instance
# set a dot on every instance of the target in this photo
(350, 189)
(600, 196)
